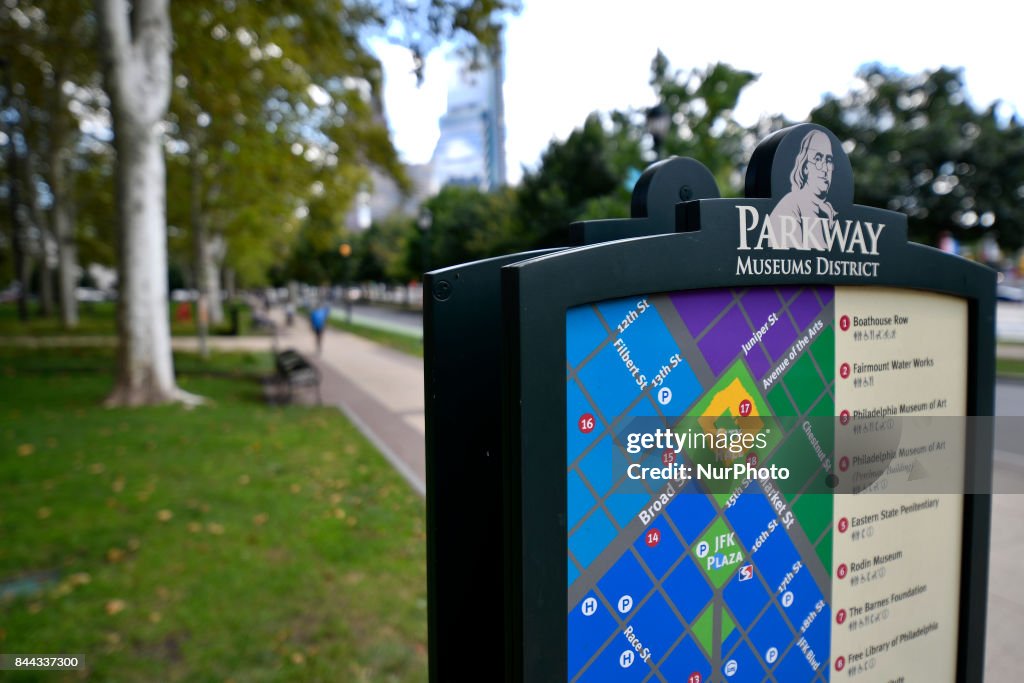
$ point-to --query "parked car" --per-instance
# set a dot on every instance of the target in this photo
(1006, 292)
(89, 294)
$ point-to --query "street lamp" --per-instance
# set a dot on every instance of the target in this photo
(657, 123)
(345, 249)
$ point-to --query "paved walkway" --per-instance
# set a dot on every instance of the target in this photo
(380, 390)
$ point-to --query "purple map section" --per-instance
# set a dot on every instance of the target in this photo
(698, 308)
(721, 339)
(805, 307)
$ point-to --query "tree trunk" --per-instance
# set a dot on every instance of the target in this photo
(67, 249)
(145, 364)
(47, 258)
(22, 263)
(208, 248)
(229, 282)
(46, 255)
(136, 48)
(215, 251)
(201, 244)
(63, 222)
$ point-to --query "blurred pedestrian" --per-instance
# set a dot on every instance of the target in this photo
(318, 319)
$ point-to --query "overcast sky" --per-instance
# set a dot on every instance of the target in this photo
(567, 58)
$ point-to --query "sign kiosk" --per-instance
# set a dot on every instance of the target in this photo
(735, 448)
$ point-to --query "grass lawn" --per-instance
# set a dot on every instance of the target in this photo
(232, 542)
(1009, 367)
(395, 340)
(101, 319)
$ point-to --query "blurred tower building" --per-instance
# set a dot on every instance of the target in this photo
(471, 149)
(469, 152)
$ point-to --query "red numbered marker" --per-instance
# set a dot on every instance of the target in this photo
(844, 464)
(668, 457)
(844, 323)
(695, 677)
(844, 417)
(752, 460)
(586, 423)
(841, 572)
(840, 663)
(844, 370)
(745, 407)
(841, 617)
(653, 538)
(843, 525)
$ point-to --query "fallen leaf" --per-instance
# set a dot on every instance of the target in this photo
(79, 579)
(44, 513)
(215, 528)
(260, 519)
(194, 527)
(339, 513)
(118, 485)
(295, 488)
(155, 617)
(26, 449)
(164, 515)
(244, 479)
(96, 468)
(115, 555)
(115, 606)
(35, 607)
(298, 658)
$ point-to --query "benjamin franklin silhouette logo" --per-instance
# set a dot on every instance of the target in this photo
(809, 181)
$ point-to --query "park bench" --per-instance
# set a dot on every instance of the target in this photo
(293, 372)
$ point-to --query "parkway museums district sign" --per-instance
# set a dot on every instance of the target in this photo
(733, 444)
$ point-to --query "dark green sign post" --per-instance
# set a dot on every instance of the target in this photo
(727, 442)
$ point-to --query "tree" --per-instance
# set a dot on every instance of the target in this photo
(591, 165)
(135, 43)
(699, 104)
(466, 224)
(302, 122)
(382, 251)
(918, 146)
(135, 38)
(55, 71)
(588, 175)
